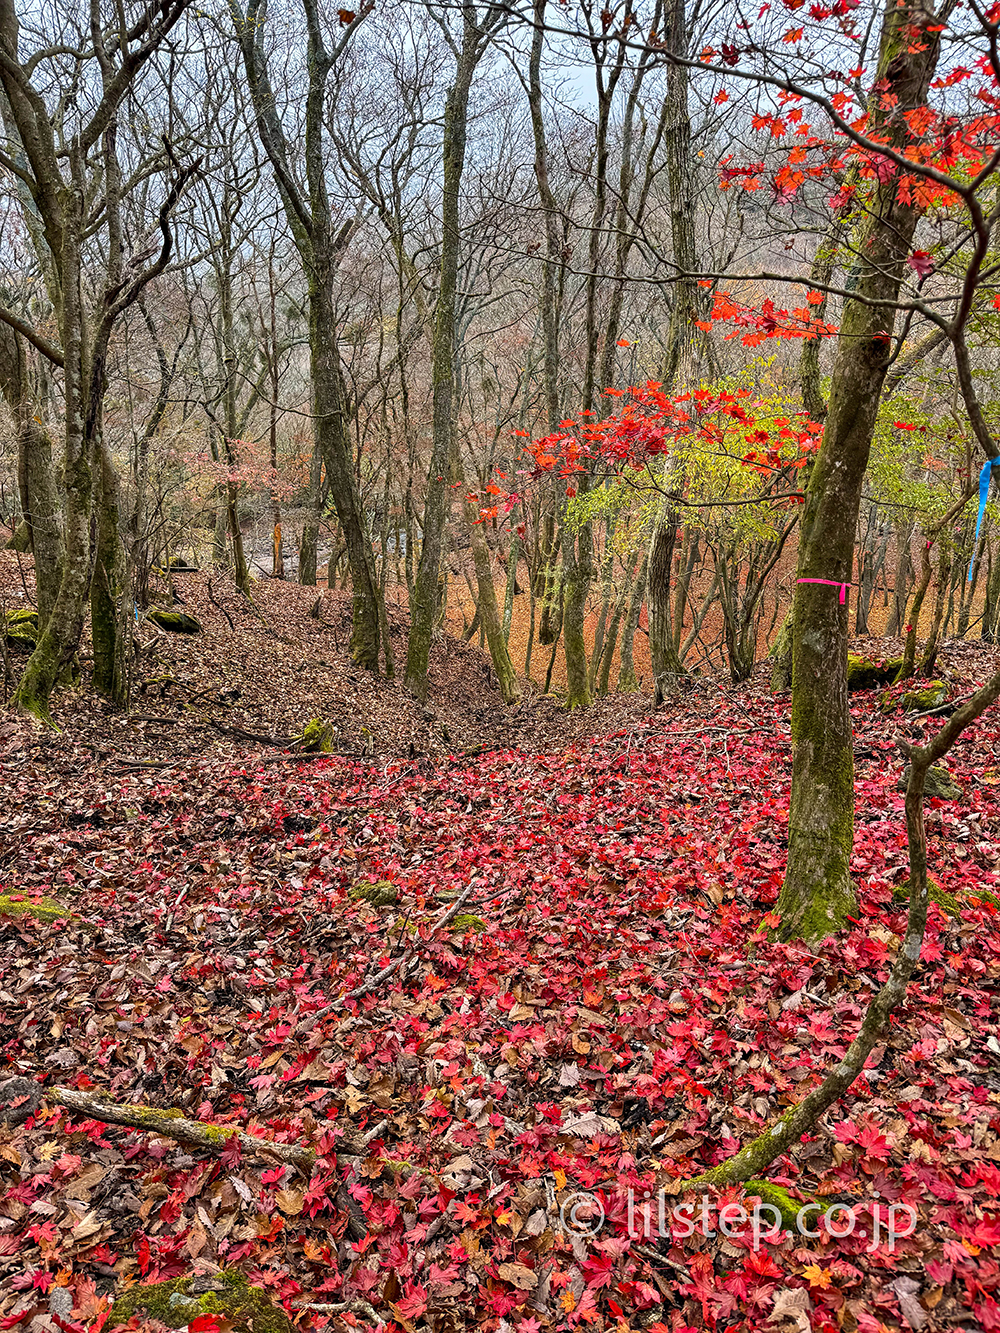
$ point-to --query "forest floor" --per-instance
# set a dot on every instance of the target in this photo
(605, 1014)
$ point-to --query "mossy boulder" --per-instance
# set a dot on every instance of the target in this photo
(935, 894)
(863, 673)
(177, 622)
(318, 736)
(466, 921)
(240, 1307)
(377, 893)
(934, 693)
(21, 630)
(938, 783)
(42, 909)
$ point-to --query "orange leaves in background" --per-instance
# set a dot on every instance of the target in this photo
(755, 325)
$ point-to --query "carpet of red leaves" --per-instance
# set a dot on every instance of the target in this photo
(622, 1021)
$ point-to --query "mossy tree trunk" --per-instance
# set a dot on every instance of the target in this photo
(577, 565)
(991, 609)
(475, 37)
(39, 494)
(321, 246)
(57, 643)
(70, 184)
(756, 1156)
(817, 895)
(109, 591)
(780, 654)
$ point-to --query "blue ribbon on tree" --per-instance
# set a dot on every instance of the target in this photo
(984, 495)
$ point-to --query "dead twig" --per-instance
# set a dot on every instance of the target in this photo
(218, 605)
(386, 972)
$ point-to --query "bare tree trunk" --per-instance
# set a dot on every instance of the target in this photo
(904, 578)
(626, 668)
(489, 612)
(475, 38)
(309, 540)
(320, 246)
(666, 661)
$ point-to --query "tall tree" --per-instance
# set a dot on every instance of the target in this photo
(468, 48)
(817, 893)
(66, 157)
(321, 243)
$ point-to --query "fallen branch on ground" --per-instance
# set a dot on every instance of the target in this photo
(195, 1133)
(755, 1157)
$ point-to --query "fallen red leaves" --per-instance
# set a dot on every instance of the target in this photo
(622, 1021)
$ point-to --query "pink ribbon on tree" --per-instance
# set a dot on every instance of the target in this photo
(830, 583)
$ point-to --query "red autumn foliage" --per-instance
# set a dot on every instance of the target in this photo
(621, 1021)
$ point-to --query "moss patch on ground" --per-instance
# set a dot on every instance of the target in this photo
(244, 1309)
(317, 736)
(377, 893)
(42, 909)
(935, 894)
(466, 921)
(934, 693)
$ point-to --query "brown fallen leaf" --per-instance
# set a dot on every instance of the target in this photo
(518, 1275)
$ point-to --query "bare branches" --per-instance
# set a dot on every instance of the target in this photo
(50, 350)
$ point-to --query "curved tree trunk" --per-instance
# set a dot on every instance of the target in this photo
(817, 895)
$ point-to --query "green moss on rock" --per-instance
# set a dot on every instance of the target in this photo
(244, 1308)
(865, 674)
(378, 893)
(467, 921)
(934, 693)
(21, 630)
(42, 909)
(935, 894)
(938, 783)
(178, 622)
